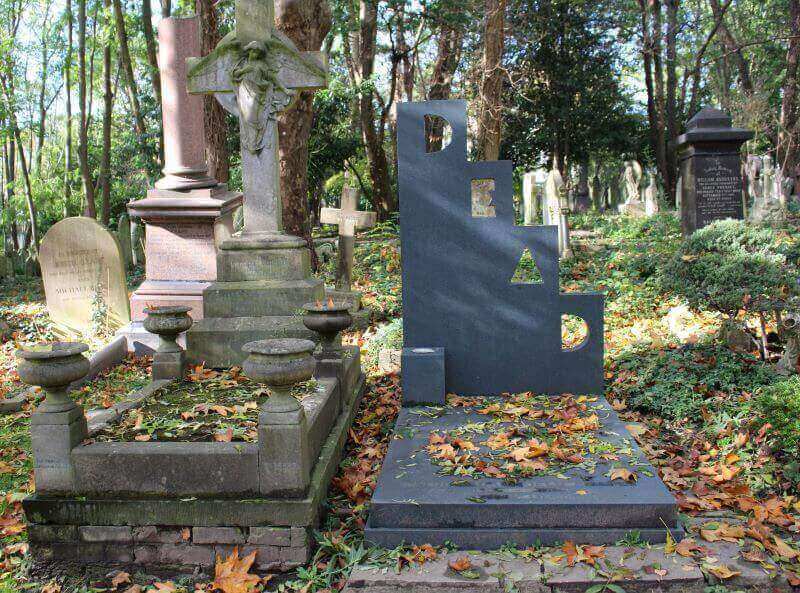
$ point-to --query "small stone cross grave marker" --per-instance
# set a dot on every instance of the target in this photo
(349, 219)
(255, 72)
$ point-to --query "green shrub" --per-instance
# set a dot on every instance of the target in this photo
(779, 406)
(722, 265)
(676, 384)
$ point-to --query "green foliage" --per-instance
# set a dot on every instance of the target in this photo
(726, 263)
(567, 97)
(387, 336)
(677, 384)
(779, 406)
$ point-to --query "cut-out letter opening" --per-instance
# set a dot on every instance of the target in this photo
(574, 332)
(527, 272)
(438, 133)
(483, 198)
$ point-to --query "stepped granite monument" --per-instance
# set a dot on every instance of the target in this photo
(470, 331)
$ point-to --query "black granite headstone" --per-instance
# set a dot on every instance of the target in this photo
(711, 170)
(498, 335)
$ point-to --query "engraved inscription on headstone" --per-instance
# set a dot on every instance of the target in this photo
(190, 244)
(83, 275)
(718, 187)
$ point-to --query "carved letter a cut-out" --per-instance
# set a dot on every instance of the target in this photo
(527, 272)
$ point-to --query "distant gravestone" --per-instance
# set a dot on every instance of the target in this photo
(710, 166)
(631, 182)
(6, 267)
(651, 205)
(530, 206)
(124, 238)
(582, 199)
(83, 276)
(137, 242)
(598, 201)
(553, 190)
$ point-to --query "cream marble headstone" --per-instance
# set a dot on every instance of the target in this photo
(81, 260)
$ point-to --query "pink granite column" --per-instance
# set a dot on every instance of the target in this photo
(184, 147)
(187, 214)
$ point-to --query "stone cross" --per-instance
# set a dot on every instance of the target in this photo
(255, 72)
(349, 219)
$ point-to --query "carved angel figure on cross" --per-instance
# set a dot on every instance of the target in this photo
(255, 81)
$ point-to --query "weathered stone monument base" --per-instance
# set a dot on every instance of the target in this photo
(414, 504)
(176, 505)
(183, 231)
(261, 288)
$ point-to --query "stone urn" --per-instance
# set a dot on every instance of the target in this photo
(280, 364)
(53, 367)
(167, 322)
(328, 320)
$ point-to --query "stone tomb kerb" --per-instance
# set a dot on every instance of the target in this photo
(470, 330)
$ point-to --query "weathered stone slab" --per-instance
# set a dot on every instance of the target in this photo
(82, 265)
(503, 573)
(218, 341)
(166, 469)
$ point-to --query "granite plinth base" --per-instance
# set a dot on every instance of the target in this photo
(414, 504)
(218, 341)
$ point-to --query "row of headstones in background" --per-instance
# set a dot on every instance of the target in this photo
(555, 205)
(83, 271)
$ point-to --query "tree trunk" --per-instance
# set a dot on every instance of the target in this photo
(214, 116)
(647, 63)
(789, 134)
(23, 167)
(152, 61)
(658, 80)
(448, 55)
(42, 94)
(733, 50)
(672, 97)
(83, 123)
(306, 23)
(383, 199)
(10, 175)
(127, 68)
(105, 159)
(68, 113)
(490, 110)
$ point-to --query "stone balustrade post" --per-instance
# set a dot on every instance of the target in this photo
(284, 454)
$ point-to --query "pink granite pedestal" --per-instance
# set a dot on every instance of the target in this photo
(183, 231)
